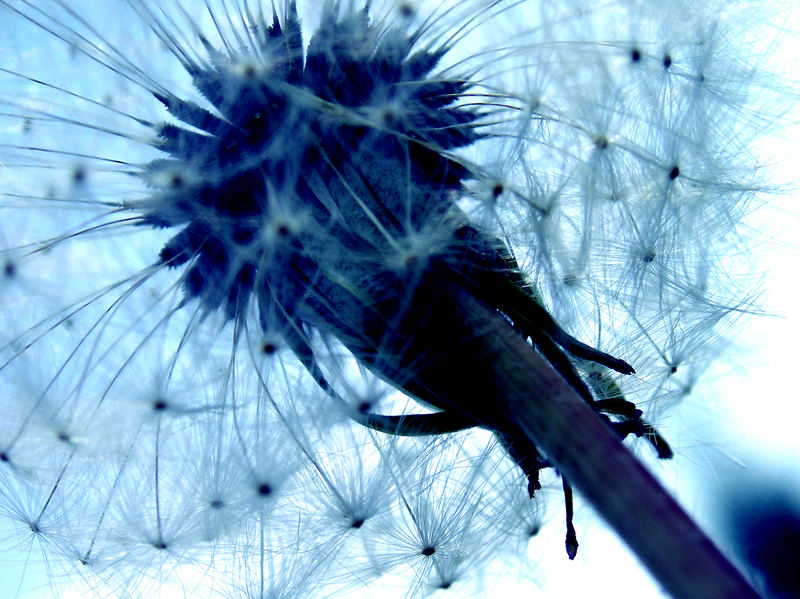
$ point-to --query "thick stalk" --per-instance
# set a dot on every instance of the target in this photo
(585, 450)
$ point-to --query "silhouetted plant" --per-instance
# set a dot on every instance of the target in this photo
(283, 316)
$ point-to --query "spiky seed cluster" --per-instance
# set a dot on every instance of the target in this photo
(280, 169)
(182, 397)
(305, 159)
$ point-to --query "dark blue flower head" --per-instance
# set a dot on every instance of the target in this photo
(322, 187)
(356, 110)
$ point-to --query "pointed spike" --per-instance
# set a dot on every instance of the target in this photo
(571, 540)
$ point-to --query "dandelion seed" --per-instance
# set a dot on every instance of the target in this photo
(293, 267)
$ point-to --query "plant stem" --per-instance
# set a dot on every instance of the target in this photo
(585, 450)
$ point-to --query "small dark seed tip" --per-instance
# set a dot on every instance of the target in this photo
(662, 448)
(406, 10)
(570, 280)
(79, 176)
(572, 548)
(621, 366)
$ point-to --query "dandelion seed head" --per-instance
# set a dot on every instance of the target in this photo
(224, 226)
